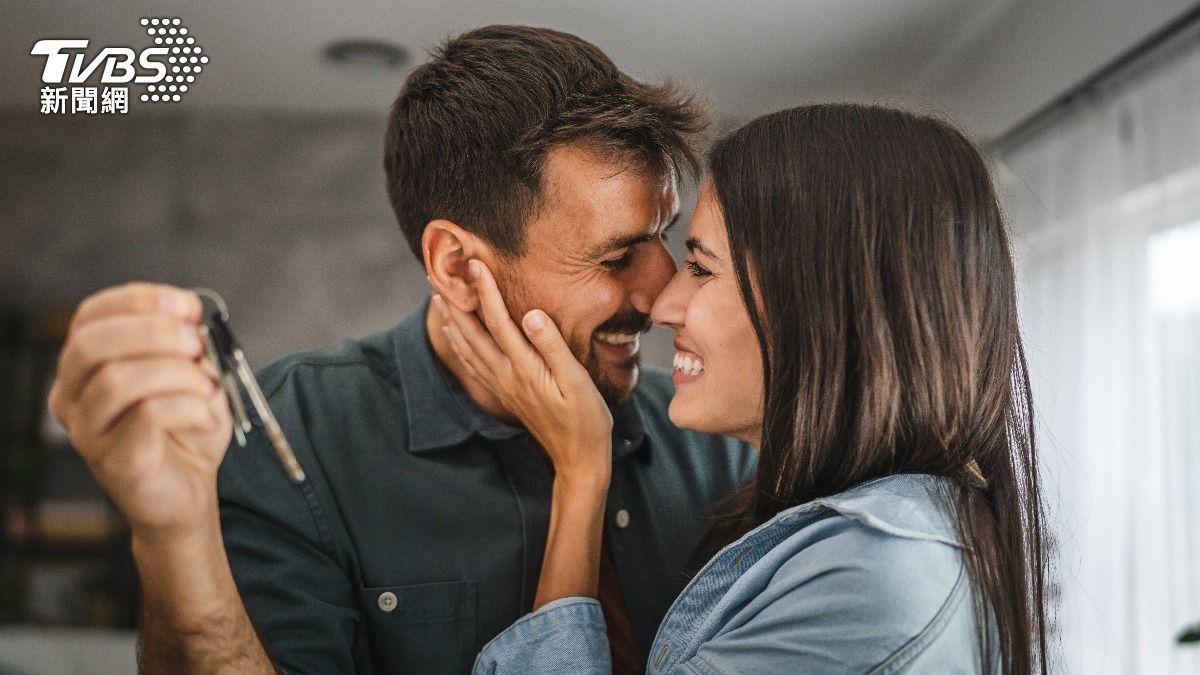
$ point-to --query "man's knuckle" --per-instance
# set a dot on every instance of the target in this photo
(138, 289)
(146, 413)
(72, 419)
(82, 348)
(147, 300)
(61, 412)
(82, 310)
(109, 379)
(133, 297)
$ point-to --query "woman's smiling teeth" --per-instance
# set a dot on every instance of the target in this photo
(688, 364)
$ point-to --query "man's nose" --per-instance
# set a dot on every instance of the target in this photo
(650, 279)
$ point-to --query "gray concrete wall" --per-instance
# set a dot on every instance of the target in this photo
(285, 215)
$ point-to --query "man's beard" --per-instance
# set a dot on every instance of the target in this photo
(615, 382)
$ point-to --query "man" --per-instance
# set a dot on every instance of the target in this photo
(419, 532)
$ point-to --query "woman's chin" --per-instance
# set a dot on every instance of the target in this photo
(686, 413)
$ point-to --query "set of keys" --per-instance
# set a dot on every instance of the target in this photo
(223, 350)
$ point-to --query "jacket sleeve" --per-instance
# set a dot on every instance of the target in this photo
(564, 636)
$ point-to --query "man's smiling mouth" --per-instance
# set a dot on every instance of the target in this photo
(617, 345)
(617, 339)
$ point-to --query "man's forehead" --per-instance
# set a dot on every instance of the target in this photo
(591, 199)
(575, 168)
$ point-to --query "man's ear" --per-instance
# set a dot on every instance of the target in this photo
(446, 248)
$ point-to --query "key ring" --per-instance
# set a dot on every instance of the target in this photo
(223, 350)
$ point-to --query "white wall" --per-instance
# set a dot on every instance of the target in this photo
(1024, 54)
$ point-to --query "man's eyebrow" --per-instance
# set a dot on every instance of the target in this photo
(695, 246)
(619, 242)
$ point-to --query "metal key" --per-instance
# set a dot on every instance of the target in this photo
(226, 354)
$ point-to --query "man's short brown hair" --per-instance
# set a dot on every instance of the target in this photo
(469, 133)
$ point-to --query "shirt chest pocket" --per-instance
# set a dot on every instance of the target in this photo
(426, 628)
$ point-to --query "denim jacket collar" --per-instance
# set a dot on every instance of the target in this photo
(896, 504)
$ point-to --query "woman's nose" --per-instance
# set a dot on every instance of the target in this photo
(670, 307)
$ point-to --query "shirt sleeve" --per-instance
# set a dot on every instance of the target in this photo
(832, 609)
(564, 636)
(300, 600)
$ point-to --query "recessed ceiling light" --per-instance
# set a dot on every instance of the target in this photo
(366, 54)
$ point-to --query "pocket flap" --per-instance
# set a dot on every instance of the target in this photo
(442, 601)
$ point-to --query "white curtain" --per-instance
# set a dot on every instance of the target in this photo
(1104, 204)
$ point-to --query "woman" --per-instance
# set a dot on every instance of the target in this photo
(848, 307)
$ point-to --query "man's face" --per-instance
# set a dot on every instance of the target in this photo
(595, 261)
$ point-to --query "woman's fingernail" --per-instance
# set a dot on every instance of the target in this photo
(535, 320)
(439, 304)
(167, 302)
(475, 269)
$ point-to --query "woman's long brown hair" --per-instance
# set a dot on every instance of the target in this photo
(873, 259)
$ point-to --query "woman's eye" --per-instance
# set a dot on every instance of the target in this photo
(696, 269)
(618, 264)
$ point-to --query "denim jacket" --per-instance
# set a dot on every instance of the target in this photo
(871, 580)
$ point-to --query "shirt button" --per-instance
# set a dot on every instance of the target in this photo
(387, 601)
(622, 519)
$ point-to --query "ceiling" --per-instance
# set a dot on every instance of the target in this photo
(987, 63)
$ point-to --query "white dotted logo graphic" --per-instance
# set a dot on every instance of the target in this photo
(79, 80)
(185, 59)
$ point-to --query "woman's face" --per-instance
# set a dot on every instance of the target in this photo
(718, 371)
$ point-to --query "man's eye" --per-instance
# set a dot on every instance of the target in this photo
(618, 264)
(696, 269)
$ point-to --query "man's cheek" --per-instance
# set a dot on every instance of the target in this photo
(567, 326)
(606, 295)
(580, 342)
(606, 302)
(578, 312)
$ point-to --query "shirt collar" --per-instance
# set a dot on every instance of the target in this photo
(442, 416)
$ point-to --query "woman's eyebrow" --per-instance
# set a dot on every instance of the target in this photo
(695, 246)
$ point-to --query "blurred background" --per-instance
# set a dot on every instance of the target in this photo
(265, 182)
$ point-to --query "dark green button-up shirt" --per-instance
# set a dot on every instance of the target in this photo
(420, 531)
